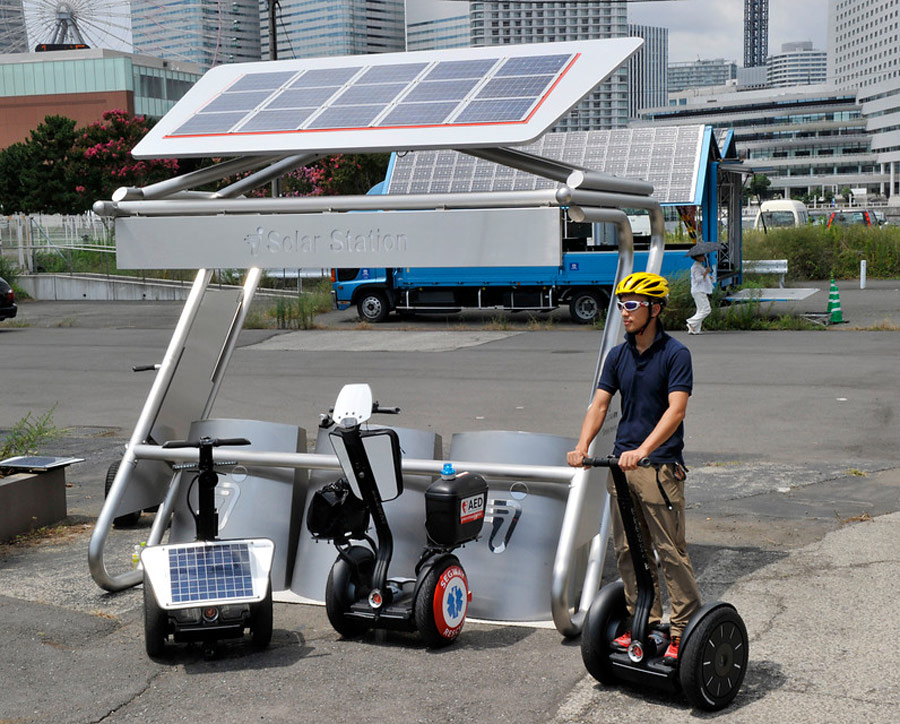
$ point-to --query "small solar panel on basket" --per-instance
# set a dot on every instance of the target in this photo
(210, 572)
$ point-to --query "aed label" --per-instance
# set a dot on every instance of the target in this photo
(472, 508)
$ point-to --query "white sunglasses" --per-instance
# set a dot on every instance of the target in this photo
(631, 305)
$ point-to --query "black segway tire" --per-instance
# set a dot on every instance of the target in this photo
(442, 602)
(603, 623)
(713, 660)
(127, 520)
(156, 623)
(347, 583)
(261, 621)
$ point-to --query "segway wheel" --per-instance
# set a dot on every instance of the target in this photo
(713, 661)
(347, 583)
(128, 520)
(261, 621)
(156, 623)
(603, 623)
(441, 603)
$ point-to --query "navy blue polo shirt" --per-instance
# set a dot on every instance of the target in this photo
(645, 381)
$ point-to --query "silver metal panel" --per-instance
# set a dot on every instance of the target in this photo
(522, 91)
(666, 157)
(510, 566)
(405, 514)
(252, 502)
(437, 238)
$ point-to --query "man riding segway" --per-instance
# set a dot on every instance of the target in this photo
(653, 373)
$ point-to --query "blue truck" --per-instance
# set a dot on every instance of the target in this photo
(583, 281)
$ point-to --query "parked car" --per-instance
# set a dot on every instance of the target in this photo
(8, 308)
(851, 217)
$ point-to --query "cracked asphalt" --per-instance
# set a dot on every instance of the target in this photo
(793, 495)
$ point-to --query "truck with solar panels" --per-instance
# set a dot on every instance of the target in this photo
(582, 281)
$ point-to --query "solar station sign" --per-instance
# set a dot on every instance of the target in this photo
(458, 98)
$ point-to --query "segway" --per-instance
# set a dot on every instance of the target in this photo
(209, 589)
(359, 594)
(713, 653)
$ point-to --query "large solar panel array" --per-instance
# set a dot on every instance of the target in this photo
(668, 157)
(201, 573)
(451, 98)
(488, 90)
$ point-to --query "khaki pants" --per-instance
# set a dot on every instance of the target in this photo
(664, 529)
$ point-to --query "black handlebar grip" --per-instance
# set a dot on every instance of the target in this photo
(214, 442)
(609, 461)
(143, 368)
(385, 410)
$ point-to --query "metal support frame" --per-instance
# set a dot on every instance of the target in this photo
(588, 196)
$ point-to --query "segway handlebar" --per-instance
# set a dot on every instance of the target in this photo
(378, 409)
(210, 441)
(609, 461)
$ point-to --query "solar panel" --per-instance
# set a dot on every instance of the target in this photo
(185, 575)
(667, 157)
(203, 573)
(379, 102)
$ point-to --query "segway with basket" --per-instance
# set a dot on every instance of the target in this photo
(208, 589)
(713, 653)
(360, 594)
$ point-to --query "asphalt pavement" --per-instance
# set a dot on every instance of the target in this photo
(793, 517)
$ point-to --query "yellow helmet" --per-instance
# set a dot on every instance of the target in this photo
(649, 285)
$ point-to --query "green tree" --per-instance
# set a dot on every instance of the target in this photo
(101, 158)
(759, 187)
(45, 176)
(340, 174)
(13, 159)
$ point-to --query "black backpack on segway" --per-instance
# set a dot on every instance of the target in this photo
(359, 594)
(714, 650)
(209, 589)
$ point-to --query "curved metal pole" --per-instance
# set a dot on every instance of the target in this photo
(141, 432)
(315, 204)
(567, 622)
(199, 177)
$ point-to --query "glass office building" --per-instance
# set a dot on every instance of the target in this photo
(195, 31)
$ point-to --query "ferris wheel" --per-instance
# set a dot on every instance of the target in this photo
(27, 25)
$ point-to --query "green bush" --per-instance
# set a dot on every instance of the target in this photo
(28, 434)
(814, 252)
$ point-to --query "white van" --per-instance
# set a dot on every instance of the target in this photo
(780, 213)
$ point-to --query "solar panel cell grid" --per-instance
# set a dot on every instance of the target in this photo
(261, 81)
(441, 90)
(418, 114)
(460, 69)
(325, 76)
(403, 72)
(210, 572)
(276, 120)
(535, 65)
(236, 102)
(345, 117)
(382, 94)
(302, 97)
(515, 87)
(209, 123)
(494, 111)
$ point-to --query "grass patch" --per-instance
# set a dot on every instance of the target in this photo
(752, 315)
(814, 252)
(28, 435)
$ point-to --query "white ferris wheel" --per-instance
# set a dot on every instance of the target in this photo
(26, 25)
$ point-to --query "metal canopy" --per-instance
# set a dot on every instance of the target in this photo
(671, 158)
(456, 98)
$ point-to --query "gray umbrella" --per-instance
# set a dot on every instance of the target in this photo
(704, 247)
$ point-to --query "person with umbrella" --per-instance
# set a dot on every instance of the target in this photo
(702, 280)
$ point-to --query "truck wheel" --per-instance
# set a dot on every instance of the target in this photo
(585, 306)
(373, 306)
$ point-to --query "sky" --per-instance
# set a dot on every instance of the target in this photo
(709, 29)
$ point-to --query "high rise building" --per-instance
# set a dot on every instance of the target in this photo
(700, 74)
(533, 21)
(12, 28)
(195, 31)
(756, 32)
(315, 28)
(864, 53)
(647, 87)
(797, 64)
(436, 24)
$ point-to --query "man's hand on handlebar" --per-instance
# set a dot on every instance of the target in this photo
(631, 459)
(575, 458)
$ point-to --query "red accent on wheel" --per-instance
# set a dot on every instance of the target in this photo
(451, 601)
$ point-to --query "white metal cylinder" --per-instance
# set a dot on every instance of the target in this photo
(862, 274)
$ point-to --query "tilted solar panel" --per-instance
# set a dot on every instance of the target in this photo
(451, 98)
